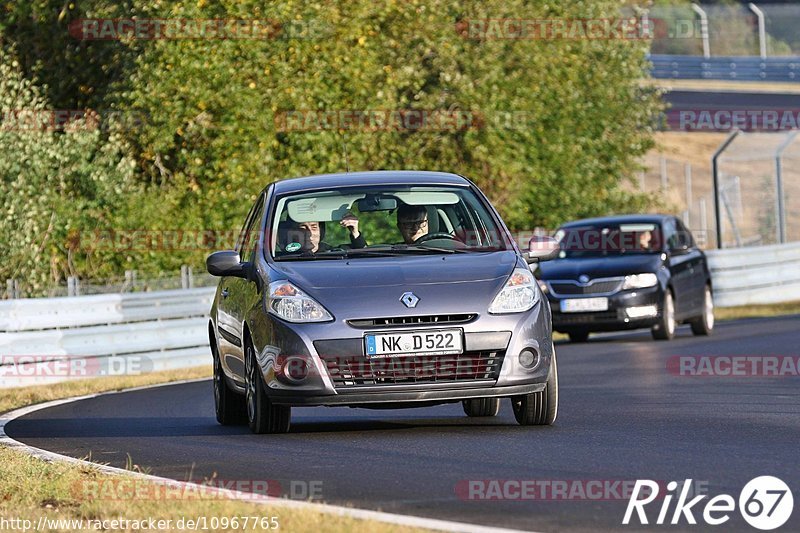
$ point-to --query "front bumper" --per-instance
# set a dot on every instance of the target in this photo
(500, 338)
(615, 318)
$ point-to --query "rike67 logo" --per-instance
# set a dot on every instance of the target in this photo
(765, 503)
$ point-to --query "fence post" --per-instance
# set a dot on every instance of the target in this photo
(687, 172)
(715, 174)
(73, 286)
(664, 178)
(704, 220)
(780, 204)
(703, 29)
(12, 289)
(184, 277)
(190, 276)
(762, 30)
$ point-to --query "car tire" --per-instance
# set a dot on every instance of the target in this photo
(481, 407)
(262, 415)
(664, 330)
(229, 407)
(539, 408)
(578, 336)
(704, 324)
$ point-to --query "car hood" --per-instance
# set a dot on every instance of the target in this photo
(600, 267)
(373, 286)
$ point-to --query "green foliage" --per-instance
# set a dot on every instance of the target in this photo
(561, 123)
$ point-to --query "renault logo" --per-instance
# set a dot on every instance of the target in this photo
(409, 299)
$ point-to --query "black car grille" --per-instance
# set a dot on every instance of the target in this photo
(599, 287)
(356, 371)
(413, 320)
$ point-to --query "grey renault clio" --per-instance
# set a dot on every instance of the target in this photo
(379, 290)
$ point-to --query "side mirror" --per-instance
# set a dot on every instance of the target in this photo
(542, 249)
(226, 263)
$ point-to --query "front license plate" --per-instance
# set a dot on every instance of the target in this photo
(583, 305)
(435, 342)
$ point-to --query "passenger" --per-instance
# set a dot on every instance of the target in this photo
(314, 233)
(646, 240)
(412, 221)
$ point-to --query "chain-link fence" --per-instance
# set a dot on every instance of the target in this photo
(759, 190)
(188, 278)
(684, 189)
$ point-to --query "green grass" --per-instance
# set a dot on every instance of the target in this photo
(31, 488)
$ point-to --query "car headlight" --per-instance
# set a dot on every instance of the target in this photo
(640, 281)
(518, 295)
(293, 305)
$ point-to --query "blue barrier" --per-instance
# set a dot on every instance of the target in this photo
(726, 68)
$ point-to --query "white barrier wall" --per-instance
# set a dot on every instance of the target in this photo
(755, 275)
(47, 340)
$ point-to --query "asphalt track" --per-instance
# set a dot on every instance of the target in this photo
(731, 100)
(622, 416)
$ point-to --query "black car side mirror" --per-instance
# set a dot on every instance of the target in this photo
(541, 249)
(227, 263)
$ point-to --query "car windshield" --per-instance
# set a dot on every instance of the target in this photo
(609, 239)
(382, 221)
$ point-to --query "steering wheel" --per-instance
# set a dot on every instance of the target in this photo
(432, 236)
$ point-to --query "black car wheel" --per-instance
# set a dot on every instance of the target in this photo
(539, 408)
(704, 324)
(229, 406)
(664, 330)
(481, 406)
(578, 336)
(262, 415)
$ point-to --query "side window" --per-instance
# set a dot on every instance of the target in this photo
(248, 239)
(670, 234)
(685, 236)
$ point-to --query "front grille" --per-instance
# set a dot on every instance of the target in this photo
(412, 320)
(356, 371)
(585, 318)
(573, 288)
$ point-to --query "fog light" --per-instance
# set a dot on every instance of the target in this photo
(292, 369)
(529, 358)
(641, 311)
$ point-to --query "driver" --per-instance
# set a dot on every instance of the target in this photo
(646, 240)
(412, 221)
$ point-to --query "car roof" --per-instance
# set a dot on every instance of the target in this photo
(618, 219)
(380, 177)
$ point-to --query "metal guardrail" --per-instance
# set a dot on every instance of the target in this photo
(726, 68)
(47, 340)
(108, 334)
(755, 275)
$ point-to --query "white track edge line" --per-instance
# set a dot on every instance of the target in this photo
(362, 514)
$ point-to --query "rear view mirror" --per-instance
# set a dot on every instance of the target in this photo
(376, 203)
(542, 249)
(226, 263)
